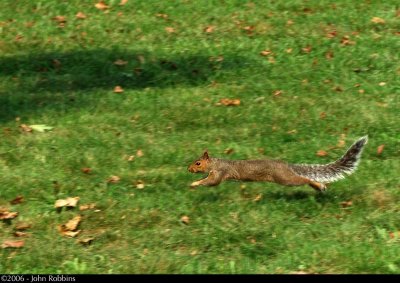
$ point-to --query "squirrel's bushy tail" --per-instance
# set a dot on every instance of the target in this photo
(331, 172)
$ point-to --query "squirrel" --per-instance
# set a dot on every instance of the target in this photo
(277, 171)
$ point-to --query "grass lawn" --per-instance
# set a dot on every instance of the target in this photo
(311, 76)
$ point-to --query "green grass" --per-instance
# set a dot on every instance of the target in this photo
(64, 77)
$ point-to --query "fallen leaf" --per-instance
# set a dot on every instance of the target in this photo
(361, 91)
(380, 148)
(68, 202)
(20, 234)
(72, 224)
(6, 215)
(86, 241)
(163, 16)
(22, 226)
(70, 234)
(170, 29)
(13, 244)
(86, 170)
(80, 16)
(382, 83)
(40, 128)
(209, 29)
(139, 153)
(307, 49)
(61, 20)
(118, 89)
(113, 179)
(278, 93)
(229, 150)
(131, 158)
(322, 115)
(123, 2)
(17, 200)
(345, 204)
(87, 206)
(25, 128)
(322, 153)
(266, 53)
(120, 62)
(289, 50)
(185, 219)
(258, 197)
(329, 55)
(331, 34)
(346, 41)
(229, 102)
(377, 20)
(140, 184)
(101, 6)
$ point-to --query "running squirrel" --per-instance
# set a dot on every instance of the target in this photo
(316, 176)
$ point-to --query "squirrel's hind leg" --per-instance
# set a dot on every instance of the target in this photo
(318, 186)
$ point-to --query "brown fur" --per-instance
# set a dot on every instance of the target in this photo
(248, 170)
(278, 171)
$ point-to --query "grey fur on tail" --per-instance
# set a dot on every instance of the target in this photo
(334, 171)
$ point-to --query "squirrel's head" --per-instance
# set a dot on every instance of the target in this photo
(200, 165)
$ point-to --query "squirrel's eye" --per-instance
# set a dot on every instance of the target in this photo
(198, 163)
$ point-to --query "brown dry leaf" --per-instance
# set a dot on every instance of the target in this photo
(22, 226)
(163, 16)
(123, 2)
(307, 49)
(209, 29)
(72, 224)
(266, 53)
(6, 215)
(17, 200)
(345, 204)
(377, 20)
(329, 55)
(68, 202)
(26, 128)
(87, 206)
(258, 197)
(170, 29)
(13, 244)
(60, 19)
(361, 91)
(80, 16)
(322, 153)
(113, 179)
(229, 150)
(131, 158)
(346, 41)
(140, 184)
(20, 234)
(185, 219)
(120, 62)
(380, 148)
(86, 241)
(70, 234)
(229, 102)
(278, 92)
(322, 115)
(139, 153)
(86, 170)
(118, 89)
(331, 34)
(101, 6)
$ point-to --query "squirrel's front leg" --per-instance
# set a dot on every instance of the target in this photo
(213, 179)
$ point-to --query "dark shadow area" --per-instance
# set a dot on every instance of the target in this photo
(35, 78)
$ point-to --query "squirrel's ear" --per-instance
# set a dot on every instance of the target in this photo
(205, 155)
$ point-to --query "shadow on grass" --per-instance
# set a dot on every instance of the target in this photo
(33, 79)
